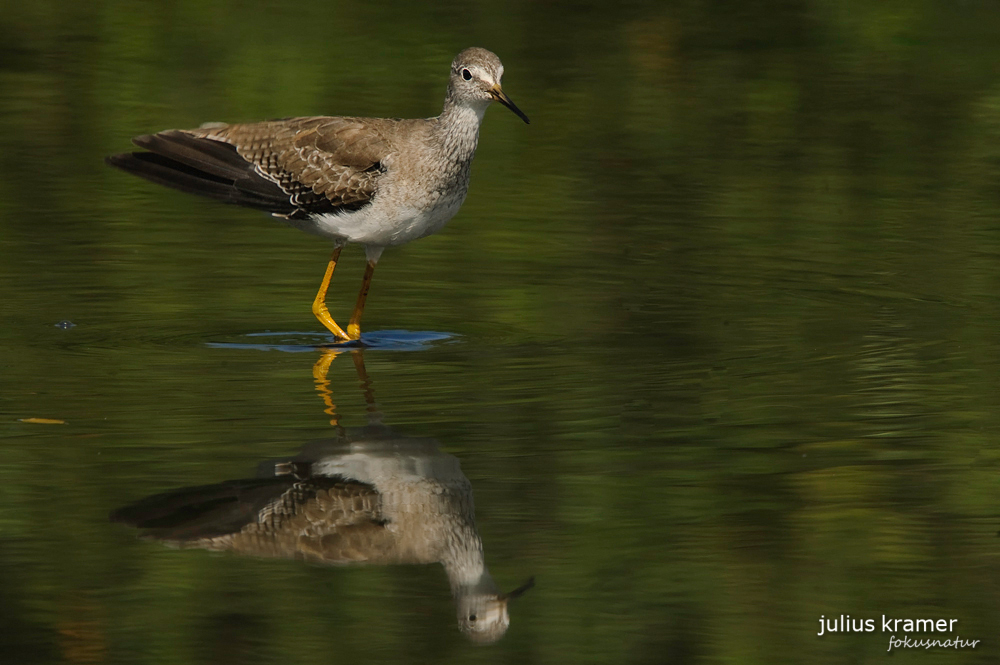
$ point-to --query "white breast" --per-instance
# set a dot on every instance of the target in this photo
(421, 189)
(391, 218)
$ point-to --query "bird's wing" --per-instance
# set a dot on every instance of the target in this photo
(321, 163)
(323, 519)
(291, 168)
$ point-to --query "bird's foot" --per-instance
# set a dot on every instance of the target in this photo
(323, 314)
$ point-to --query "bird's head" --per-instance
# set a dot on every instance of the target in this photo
(475, 80)
(483, 617)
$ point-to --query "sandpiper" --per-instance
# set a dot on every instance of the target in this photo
(378, 182)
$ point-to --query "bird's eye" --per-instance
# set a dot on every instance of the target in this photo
(472, 617)
(466, 74)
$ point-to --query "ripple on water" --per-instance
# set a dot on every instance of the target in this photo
(379, 340)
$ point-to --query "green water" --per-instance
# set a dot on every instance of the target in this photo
(714, 339)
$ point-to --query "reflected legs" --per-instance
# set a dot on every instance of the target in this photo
(321, 371)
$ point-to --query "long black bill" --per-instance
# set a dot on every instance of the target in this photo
(519, 591)
(501, 96)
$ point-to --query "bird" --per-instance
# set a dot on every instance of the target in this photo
(370, 496)
(377, 182)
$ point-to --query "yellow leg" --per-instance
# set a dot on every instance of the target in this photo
(354, 327)
(319, 304)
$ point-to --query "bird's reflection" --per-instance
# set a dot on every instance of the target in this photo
(368, 496)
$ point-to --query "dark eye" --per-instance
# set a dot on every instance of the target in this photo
(467, 75)
(472, 617)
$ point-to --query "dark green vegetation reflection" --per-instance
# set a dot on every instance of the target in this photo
(724, 354)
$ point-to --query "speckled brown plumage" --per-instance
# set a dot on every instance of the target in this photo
(322, 520)
(290, 168)
(326, 163)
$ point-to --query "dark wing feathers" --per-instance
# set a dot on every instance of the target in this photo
(205, 511)
(259, 505)
(214, 158)
(165, 171)
(292, 168)
(204, 167)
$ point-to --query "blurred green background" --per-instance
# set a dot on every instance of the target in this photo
(723, 320)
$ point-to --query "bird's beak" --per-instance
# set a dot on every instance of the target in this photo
(501, 96)
(521, 590)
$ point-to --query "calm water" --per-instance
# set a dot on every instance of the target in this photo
(713, 343)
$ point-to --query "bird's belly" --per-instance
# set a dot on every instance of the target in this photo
(383, 224)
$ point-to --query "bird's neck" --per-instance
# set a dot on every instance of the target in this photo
(471, 582)
(464, 562)
(457, 129)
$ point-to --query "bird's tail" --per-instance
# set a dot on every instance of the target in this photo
(202, 166)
